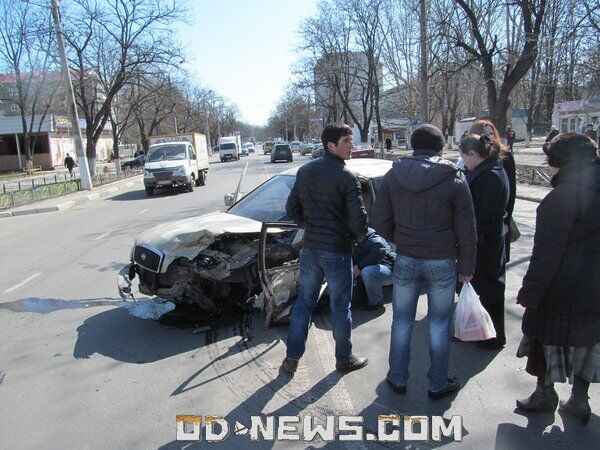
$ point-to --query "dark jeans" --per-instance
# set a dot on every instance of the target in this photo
(315, 266)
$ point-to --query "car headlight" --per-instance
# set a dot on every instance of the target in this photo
(179, 171)
(148, 174)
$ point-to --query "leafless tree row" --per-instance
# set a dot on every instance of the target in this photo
(126, 69)
(367, 59)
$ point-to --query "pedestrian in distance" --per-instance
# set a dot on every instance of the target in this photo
(70, 163)
(388, 144)
(373, 265)
(591, 133)
(510, 137)
(481, 127)
(425, 208)
(489, 187)
(326, 201)
(561, 289)
(552, 134)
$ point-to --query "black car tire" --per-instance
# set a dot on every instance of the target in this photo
(201, 181)
(190, 185)
(291, 159)
(149, 191)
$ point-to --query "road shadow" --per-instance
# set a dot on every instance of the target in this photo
(542, 432)
(49, 305)
(141, 194)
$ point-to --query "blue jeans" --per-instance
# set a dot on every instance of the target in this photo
(438, 278)
(375, 277)
(316, 265)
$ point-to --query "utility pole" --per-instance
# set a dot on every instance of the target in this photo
(86, 180)
(424, 69)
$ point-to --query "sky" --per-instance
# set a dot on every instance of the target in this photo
(245, 49)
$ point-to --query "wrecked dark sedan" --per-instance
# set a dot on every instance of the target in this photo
(247, 255)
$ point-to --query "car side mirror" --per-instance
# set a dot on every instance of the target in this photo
(228, 200)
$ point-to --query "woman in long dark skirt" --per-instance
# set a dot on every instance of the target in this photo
(490, 190)
(561, 290)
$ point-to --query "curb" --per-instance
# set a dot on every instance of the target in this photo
(530, 199)
(69, 204)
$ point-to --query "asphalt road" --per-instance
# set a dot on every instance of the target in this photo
(77, 370)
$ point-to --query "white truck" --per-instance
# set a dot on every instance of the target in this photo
(230, 148)
(175, 161)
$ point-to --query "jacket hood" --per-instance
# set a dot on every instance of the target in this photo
(421, 172)
(585, 174)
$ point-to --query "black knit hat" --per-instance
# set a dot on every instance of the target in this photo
(427, 137)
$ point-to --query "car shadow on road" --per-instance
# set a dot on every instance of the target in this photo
(141, 194)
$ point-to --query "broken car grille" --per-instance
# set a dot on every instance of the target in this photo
(148, 257)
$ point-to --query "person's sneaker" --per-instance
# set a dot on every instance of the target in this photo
(398, 389)
(450, 388)
(289, 365)
(355, 363)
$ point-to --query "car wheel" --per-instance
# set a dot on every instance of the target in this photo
(190, 185)
(149, 191)
(201, 178)
(291, 159)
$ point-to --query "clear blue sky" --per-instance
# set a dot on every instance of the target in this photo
(245, 49)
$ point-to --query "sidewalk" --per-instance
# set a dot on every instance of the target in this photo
(68, 201)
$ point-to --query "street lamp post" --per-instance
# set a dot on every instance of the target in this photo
(86, 180)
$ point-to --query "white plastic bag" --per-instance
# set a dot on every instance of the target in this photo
(471, 321)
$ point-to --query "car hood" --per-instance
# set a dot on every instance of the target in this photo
(171, 164)
(188, 237)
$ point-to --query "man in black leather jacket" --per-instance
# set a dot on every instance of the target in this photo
(326, 201)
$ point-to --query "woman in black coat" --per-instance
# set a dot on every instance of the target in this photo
(486, 127)
(561, 290)
(490, 190)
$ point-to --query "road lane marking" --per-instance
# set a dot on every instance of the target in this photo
(103, 235)
(143, 211)
(22, 283)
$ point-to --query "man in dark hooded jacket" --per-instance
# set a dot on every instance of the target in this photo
(425, 208)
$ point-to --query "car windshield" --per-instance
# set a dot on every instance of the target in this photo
(228, 146)
(267, 202)
(166, 153)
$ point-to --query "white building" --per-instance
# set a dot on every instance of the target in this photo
(575, 115)
(54, 141)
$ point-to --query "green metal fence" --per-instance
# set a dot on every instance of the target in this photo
(41, 192)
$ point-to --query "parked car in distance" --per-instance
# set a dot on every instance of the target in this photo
(216, 148)
(363, 151)
(282, 152)
(244, 151)
(135, 163)
(268, 147)
(318, 150)
(295, 146)
(250, 146)
(307, 148)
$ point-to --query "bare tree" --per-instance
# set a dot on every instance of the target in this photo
(26, 50)
(109, 44)
(500, 73)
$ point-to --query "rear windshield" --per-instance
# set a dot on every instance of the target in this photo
(282, 148)
(228, 146)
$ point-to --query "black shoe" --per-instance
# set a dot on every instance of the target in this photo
(450, 388)
(355, 363)
(398, 389)
(490, 344)
(578, 408)
(543, 399)
(289, 365)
